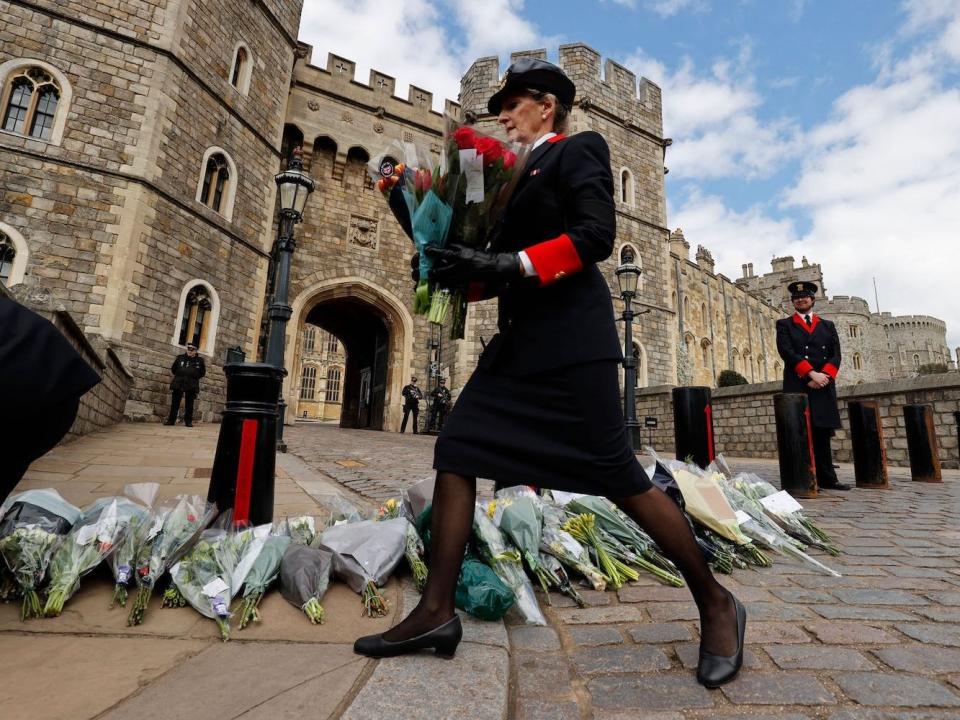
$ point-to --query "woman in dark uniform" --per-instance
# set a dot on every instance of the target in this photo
(543, 406)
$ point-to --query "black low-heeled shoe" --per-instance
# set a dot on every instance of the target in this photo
(443, 640)
(716, 670)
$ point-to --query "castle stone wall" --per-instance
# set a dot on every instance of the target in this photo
(745, 424)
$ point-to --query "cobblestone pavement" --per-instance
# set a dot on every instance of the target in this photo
(880, 643)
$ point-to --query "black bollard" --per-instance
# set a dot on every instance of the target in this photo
(798, 474)
(243, 468)
(922, 443)
(693, 424)
(869, 452)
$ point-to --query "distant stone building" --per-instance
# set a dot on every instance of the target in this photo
(875, 346)
(320, 376)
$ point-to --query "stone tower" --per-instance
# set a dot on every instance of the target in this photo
(628, 113)
(142, 203)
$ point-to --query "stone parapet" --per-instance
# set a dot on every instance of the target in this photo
(745, 426)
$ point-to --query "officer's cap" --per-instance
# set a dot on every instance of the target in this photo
(191, 346)
(533, 74)
(802, 288)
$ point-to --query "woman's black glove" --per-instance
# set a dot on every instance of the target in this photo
(458, 265)
(415, 267)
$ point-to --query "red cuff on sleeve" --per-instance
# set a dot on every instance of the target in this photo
(830, 370)
(803, 367)
(554, 259)
(475, 291)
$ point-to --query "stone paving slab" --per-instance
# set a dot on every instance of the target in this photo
(45, 678)
(262, 680)
(898, 690)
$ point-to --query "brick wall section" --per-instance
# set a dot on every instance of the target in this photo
(745, 426)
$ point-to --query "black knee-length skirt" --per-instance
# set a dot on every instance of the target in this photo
(561, 429)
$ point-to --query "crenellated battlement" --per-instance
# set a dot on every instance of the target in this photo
(607, 88)
(914, 321)
(844, 305)
(339, 77)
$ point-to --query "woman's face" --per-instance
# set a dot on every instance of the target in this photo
(524, 118)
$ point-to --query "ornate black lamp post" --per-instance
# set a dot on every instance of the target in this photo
(295, 187)
(628, 276)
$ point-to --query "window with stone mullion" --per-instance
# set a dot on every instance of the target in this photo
(46, 111)
(18, 107)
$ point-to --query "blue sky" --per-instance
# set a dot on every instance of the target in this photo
(824, 128)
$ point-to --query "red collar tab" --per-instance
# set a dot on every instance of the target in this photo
(814, 320)
(557, 138)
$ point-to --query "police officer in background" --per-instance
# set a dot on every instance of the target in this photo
(810, 348)
(187, 370)
(439, 405)
(412, 395)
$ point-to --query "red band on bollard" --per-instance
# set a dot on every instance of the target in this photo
(708, 411)
(248, 448)
(813, 461)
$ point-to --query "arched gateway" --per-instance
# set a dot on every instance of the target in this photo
(376, 330)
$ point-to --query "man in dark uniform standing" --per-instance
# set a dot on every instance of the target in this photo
(412, 395)
(187, 370)
(42, 378)
(810, 348)
(439, 405)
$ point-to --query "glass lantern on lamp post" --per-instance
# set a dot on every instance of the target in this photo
(628, 277)
(294, 186)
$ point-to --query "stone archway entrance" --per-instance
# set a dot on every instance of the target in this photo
(365, 338)
(376, 332)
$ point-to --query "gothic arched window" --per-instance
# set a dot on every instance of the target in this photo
(195, 319)
(626, 187)
(857, 361)
(332, 343)
(8, 254)
(308, 382)
(31, 97)
(309, 339)
(334, 376)
(215, 179)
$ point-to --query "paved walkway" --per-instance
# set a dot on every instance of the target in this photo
(882, 642)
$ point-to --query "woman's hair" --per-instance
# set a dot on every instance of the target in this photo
(561, 112)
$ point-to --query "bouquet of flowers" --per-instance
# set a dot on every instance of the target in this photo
(302, 530)
(205, 576)
(610, 520)
(561, 545)
(98, 532)
(264, 571)
(365, 554)
(32, 524)
(305, 577)
(518, 515)
(507, 564)
(414, 550)
(139, 520)
(461, 197)
(175, 528)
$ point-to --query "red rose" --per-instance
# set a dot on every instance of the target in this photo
(464, 137)
(491, 149)
(509, 159)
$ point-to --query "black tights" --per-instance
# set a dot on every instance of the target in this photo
(452, 520)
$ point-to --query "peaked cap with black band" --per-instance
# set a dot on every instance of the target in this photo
(533, 74)
(802, 288)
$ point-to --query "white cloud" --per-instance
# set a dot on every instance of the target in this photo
(668, 8)
(732, 237)
(879, 184)
(713, 118)
(425, 43)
